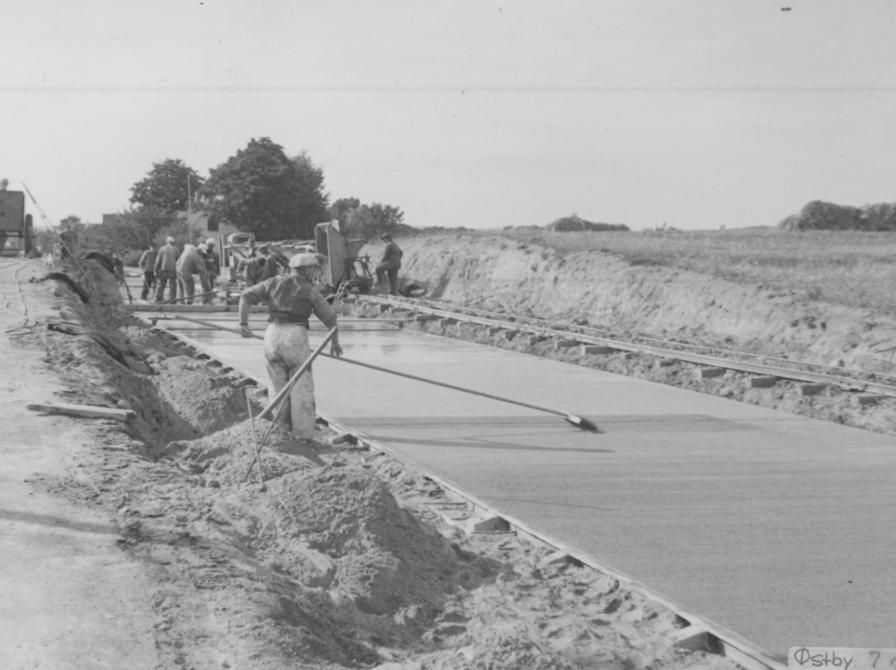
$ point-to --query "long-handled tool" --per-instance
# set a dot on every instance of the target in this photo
(127, 290)
(298, 373)
(280, 398)
(254, 440)
(577, 421)
(193, 297)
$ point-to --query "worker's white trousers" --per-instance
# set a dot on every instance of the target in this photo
(286, 348)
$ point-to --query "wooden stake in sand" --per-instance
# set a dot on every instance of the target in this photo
(86, 411)
(254, 439)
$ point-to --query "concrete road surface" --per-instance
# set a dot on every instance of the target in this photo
(779, 528)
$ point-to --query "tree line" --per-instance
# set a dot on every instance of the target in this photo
(260, 189)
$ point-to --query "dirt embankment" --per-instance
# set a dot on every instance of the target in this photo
(339, 561)
(602, 290)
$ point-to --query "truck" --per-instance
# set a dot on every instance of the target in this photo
(16, 227)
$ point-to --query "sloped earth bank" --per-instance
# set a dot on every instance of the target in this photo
(597, 289)
(339, 561)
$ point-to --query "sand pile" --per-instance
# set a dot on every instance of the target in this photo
(228, 455)
(322, 524)
(351, 569)
(206, 402)
(383, 558)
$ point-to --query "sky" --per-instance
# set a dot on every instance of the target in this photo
(692, 113)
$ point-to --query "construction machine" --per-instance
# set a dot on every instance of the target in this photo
(16, 227)
(343, 270)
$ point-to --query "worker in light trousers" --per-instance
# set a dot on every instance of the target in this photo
(291, 299)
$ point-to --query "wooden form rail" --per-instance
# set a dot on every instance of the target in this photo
(621, 345)
(580, 329)
(733, 354)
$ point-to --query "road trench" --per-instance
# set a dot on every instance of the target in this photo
(690, 631)
(497, 445)
(349, 556)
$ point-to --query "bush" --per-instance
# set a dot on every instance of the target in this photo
(818, 215)
(576, 223)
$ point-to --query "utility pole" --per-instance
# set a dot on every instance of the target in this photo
(189, 198)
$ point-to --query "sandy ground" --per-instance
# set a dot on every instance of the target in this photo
(151, 544)
(629, 301)
(71, 597)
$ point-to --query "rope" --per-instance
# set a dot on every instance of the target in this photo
(85, 275)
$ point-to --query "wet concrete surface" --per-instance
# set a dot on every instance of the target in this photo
(777, 527)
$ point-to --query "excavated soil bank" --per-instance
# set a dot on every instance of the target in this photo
(597, 289)
(341, 560)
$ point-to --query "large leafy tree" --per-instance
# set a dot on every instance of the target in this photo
(168, 187)
(129, 232)
(262, 190)
(342, 208)
(369, 221)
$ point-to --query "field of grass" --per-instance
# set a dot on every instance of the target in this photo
(851, 268)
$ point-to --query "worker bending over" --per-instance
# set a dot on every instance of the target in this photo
(291, 300)
(166, 271)
(191, 262)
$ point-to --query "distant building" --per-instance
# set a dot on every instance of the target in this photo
(202, 227)
(110, 219)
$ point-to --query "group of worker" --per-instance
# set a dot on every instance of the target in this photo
(176, 269)
(261, 263)
(291, 299)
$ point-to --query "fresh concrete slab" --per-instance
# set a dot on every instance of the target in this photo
(776, 527)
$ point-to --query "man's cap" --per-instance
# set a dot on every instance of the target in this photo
(169, 240)
(201, 246)
(303, 261)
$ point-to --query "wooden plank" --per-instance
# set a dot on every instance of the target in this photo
(596, 350)
(867, 399)
(86, 411)
(175, 309)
